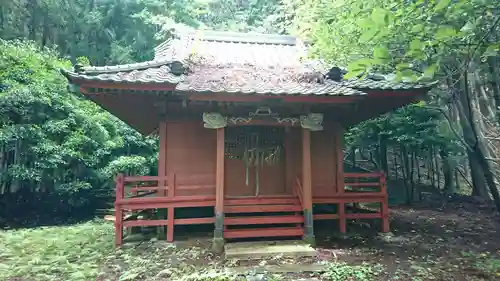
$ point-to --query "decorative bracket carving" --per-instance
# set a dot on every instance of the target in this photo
(289, 120)
(263, 112)
(214, 120)
(312, 121)
(240, 120)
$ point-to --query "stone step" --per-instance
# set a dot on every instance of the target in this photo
(262, 250)
(285, 268)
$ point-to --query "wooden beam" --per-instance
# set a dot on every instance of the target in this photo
(146, 178)
(157, 205)
(326, 216)
(195, 221)
(273, 98)
(265, 122)
(291, 219)
(260, 201)
(262, 208)
(164, 199)
(264, 232)
(145, 223)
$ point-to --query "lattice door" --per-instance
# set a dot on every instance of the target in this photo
(261, 150)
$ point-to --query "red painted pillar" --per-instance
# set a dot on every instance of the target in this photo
(162, 172)
(307, 186)
(218, 243)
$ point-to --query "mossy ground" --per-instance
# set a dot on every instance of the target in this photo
(451, 243)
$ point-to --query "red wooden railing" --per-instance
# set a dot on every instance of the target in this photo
(172, 193)
(166, 198)
(297, 190)
(358, 181)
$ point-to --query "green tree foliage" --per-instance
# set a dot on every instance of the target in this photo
(124, 31)
(455, 42)
(265, 16)
(56, 145)
(417, 38)
(58, 151)
(106, 31)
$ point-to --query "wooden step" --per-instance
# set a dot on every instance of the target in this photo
(261, 201)
(263, 220)
(262, 209)
(264, 232)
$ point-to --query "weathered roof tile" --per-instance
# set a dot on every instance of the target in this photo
(236, 63)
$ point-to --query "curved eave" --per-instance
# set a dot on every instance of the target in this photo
(169, 81)
(385, 85)
(126, 67)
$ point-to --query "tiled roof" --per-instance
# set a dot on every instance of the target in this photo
(236, 63)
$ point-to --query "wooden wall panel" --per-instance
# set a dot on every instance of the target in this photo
(324, 163)
(235, 179)
(191, 155)
(272, 179)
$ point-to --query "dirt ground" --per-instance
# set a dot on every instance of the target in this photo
(456, 242)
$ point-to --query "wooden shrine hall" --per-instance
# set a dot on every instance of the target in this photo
(248, 125)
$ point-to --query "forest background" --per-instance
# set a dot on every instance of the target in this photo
(59, 152)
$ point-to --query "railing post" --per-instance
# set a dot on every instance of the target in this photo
(120, 192)
(171, 210)
(342, 219)
(384, 212)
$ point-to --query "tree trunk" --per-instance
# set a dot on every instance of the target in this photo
(406, 172)
(418, 169)
(31, 7)
(428, 165)
(478, 183)
(395, 160)
(16, 183)
(447, 172)
(494, 81)
(412, 174)
(353, 156)
(383, 155)
(474, 140)
(432, 169)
